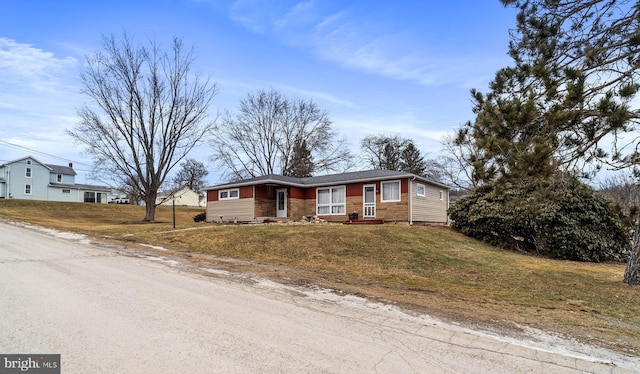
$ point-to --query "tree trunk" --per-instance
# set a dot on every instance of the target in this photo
(632, 274)
(150, 208)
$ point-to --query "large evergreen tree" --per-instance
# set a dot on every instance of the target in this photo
(412, 160)
(301, 164)
(567, 95)
(574, 77)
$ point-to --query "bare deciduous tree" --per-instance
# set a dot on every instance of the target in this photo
(148, 111)
(384, 152)
(191, 174)
(397, 153)
(623, 189)
(458, 162)
(262, 137)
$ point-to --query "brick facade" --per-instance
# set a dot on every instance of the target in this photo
(301, 200)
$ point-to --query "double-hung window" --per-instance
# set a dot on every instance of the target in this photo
(59, 178)
(229, 194)
(27, 172)
(331, 201)
(27, 189)
(390, 191)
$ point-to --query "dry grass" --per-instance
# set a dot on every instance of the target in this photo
(427, 269)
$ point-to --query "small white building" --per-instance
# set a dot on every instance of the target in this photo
(183, 197)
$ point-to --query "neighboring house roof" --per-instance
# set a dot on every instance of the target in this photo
(325, 180)
(56, 169)
(24, 158)
(59, 169)
(81, 186)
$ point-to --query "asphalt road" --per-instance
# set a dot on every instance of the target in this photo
(108, 309)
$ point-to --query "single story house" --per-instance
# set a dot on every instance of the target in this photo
(30, 179)
(385, 195)
(183, 197)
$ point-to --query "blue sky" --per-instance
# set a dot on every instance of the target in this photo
(377, 67)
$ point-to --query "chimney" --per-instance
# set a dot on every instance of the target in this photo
(71, 165)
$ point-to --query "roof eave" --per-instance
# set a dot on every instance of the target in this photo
(332, 183)
(252, 183)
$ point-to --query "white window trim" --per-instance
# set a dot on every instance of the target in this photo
(331, 203)
(382, 200)
(441, 195)
(424, 190)
(59, 178)
(28, 172)
(66, 190)
(228, 191)
(30, 189)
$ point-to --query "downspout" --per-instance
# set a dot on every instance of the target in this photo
(411, 201)
(8, 189)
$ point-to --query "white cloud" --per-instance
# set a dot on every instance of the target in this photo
(355, 128)
(38, 99)
(25, 68)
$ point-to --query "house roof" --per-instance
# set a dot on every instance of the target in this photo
(21, 159)
(56, 169)
(326, 180)
(77, 186)
(59, 169)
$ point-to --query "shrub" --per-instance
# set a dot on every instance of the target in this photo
(200, 217)
(560, 217)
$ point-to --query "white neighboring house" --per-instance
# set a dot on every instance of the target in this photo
(184, 197)
(30, 179)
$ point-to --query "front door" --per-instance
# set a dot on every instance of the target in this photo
(281, 202)
(369, 207)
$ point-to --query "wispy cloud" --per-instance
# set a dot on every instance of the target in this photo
(406, 126)
(22, 65)
(37, 97)
(237, 89)
(338, 36)
(320, 96)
